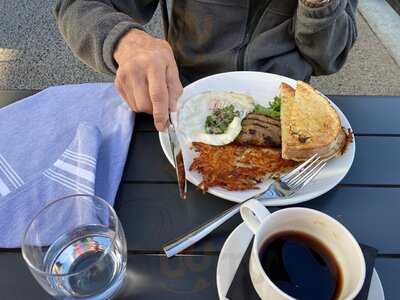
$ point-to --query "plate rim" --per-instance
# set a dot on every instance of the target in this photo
(163, 138)
(375, 276)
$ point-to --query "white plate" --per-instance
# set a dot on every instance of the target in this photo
(231, 255)
(263, 87)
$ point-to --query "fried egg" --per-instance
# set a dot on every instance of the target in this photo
(194, 112)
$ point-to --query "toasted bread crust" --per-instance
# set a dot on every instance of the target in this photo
(332, 150)
(286, 91)
(309, 124)
(287, 96)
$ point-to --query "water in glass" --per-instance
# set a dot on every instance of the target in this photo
(82, 252)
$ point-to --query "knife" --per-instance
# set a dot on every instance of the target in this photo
(176, 151)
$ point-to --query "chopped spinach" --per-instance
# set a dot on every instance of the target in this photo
(219, 120)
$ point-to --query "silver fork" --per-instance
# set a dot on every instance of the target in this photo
(284, 186)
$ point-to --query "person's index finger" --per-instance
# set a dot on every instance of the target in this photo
(174, 86)
(159, 96)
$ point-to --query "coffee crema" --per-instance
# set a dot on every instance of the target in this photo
(301, 266)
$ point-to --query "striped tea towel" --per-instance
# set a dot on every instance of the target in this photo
(64, 140)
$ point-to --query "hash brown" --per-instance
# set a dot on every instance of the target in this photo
(236, 167)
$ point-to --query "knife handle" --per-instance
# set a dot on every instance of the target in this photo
(185, 241)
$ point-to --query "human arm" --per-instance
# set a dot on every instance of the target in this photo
(324, 35)
(92, 28)
(108, 36)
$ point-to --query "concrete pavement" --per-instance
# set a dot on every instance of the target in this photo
(33, 55)
(385, 22)
(370, 70)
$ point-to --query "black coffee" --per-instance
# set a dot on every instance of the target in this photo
(301, 266)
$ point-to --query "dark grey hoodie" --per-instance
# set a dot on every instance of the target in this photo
(211, 36)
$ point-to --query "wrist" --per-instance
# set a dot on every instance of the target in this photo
(125, 42)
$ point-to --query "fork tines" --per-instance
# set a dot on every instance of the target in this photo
(304, 173)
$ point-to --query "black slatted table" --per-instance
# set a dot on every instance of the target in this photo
(367, 202)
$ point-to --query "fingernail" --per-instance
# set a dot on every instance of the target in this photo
(162, 128)
(166, 125)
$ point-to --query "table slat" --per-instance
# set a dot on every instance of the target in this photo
(181, 278)
(146, 160)
(367, 114)
(148, 277)
(16, 281)
(375, 161)
(144, 122)
(371, 114)
(153, 214)
(156, 277)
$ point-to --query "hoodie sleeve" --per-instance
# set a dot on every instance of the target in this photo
(324, 35)
(92, 28)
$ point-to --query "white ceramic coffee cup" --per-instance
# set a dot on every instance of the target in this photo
(319, 225)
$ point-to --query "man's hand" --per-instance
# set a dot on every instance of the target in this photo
(147, 75)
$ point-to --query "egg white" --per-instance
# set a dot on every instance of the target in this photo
(194, 112)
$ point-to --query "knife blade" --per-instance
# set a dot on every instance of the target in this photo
(178, 160)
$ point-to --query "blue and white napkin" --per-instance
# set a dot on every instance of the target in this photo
(64, 140)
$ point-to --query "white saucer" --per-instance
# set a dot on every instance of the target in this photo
(231, 255)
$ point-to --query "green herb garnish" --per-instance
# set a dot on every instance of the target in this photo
(273, 110)
(219, 120)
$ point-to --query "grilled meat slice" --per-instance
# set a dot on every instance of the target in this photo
(260, 136)
(260, 130)
(263, 118)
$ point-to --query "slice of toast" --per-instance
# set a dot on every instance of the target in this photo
(309, 123)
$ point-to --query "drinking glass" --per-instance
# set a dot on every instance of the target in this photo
(75, 247)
